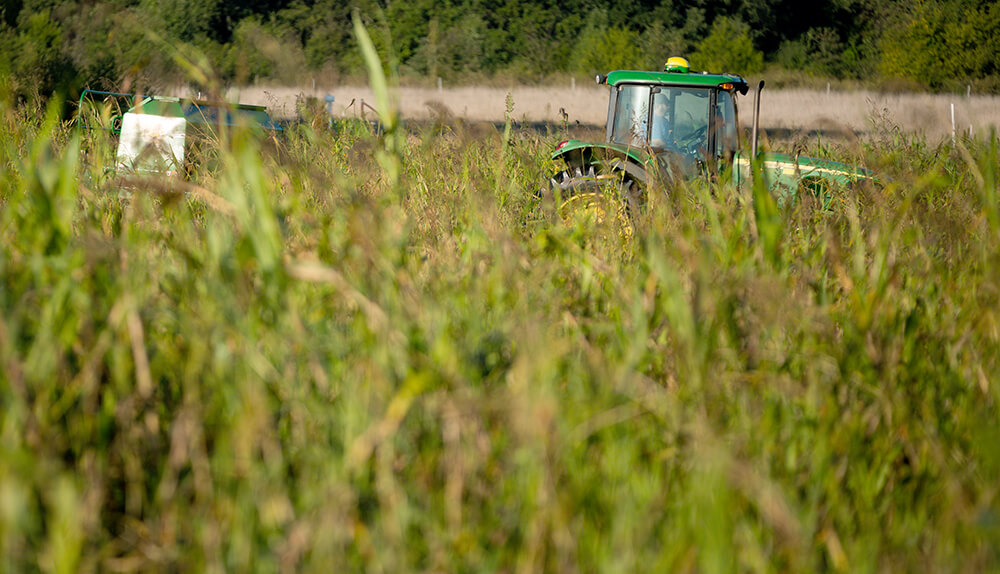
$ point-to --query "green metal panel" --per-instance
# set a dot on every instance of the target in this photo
(637, 155)
(197, 112)
(785, 172)
(159, 106)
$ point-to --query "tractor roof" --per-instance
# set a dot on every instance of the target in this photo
(699, 79)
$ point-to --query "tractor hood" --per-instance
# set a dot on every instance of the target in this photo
(808, 166)
(787, 169)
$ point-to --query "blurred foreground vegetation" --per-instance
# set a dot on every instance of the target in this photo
(355, 353)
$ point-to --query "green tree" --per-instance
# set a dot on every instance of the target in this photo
(728, 48)
(916, 49)
(663, 41)
(601, 48)
(185, 20)
(938, 42)
(457, 49)
(41, 65)
(819, 51)
(264, 50)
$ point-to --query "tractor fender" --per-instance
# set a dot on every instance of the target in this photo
(610, 157)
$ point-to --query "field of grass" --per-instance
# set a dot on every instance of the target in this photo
(361, 353)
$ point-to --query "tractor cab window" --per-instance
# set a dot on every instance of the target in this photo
(689, 120)
(670, 118)
(663, 125)
(726, 125)
(631, 121)
(665, 118)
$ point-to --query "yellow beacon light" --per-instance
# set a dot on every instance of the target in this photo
(677, 64)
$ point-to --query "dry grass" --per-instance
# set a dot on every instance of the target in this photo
(926, 114)
(587, 105)
(795, 109)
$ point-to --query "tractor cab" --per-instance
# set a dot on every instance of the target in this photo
(684, 119)
(678, 122)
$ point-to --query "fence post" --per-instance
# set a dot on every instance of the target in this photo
(953, 122)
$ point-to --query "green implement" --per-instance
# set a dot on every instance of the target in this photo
(155, 131)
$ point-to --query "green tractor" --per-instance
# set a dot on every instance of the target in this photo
(676, 125)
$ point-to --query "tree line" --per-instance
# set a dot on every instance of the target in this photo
(63, 46)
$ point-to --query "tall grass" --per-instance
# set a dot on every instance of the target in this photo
(303, 361)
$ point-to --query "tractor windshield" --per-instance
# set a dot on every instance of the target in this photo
(676, 119)
(680, 120)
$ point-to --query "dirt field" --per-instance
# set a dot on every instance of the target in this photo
(804, 110)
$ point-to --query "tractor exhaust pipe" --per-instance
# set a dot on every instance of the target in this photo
(756, 122)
